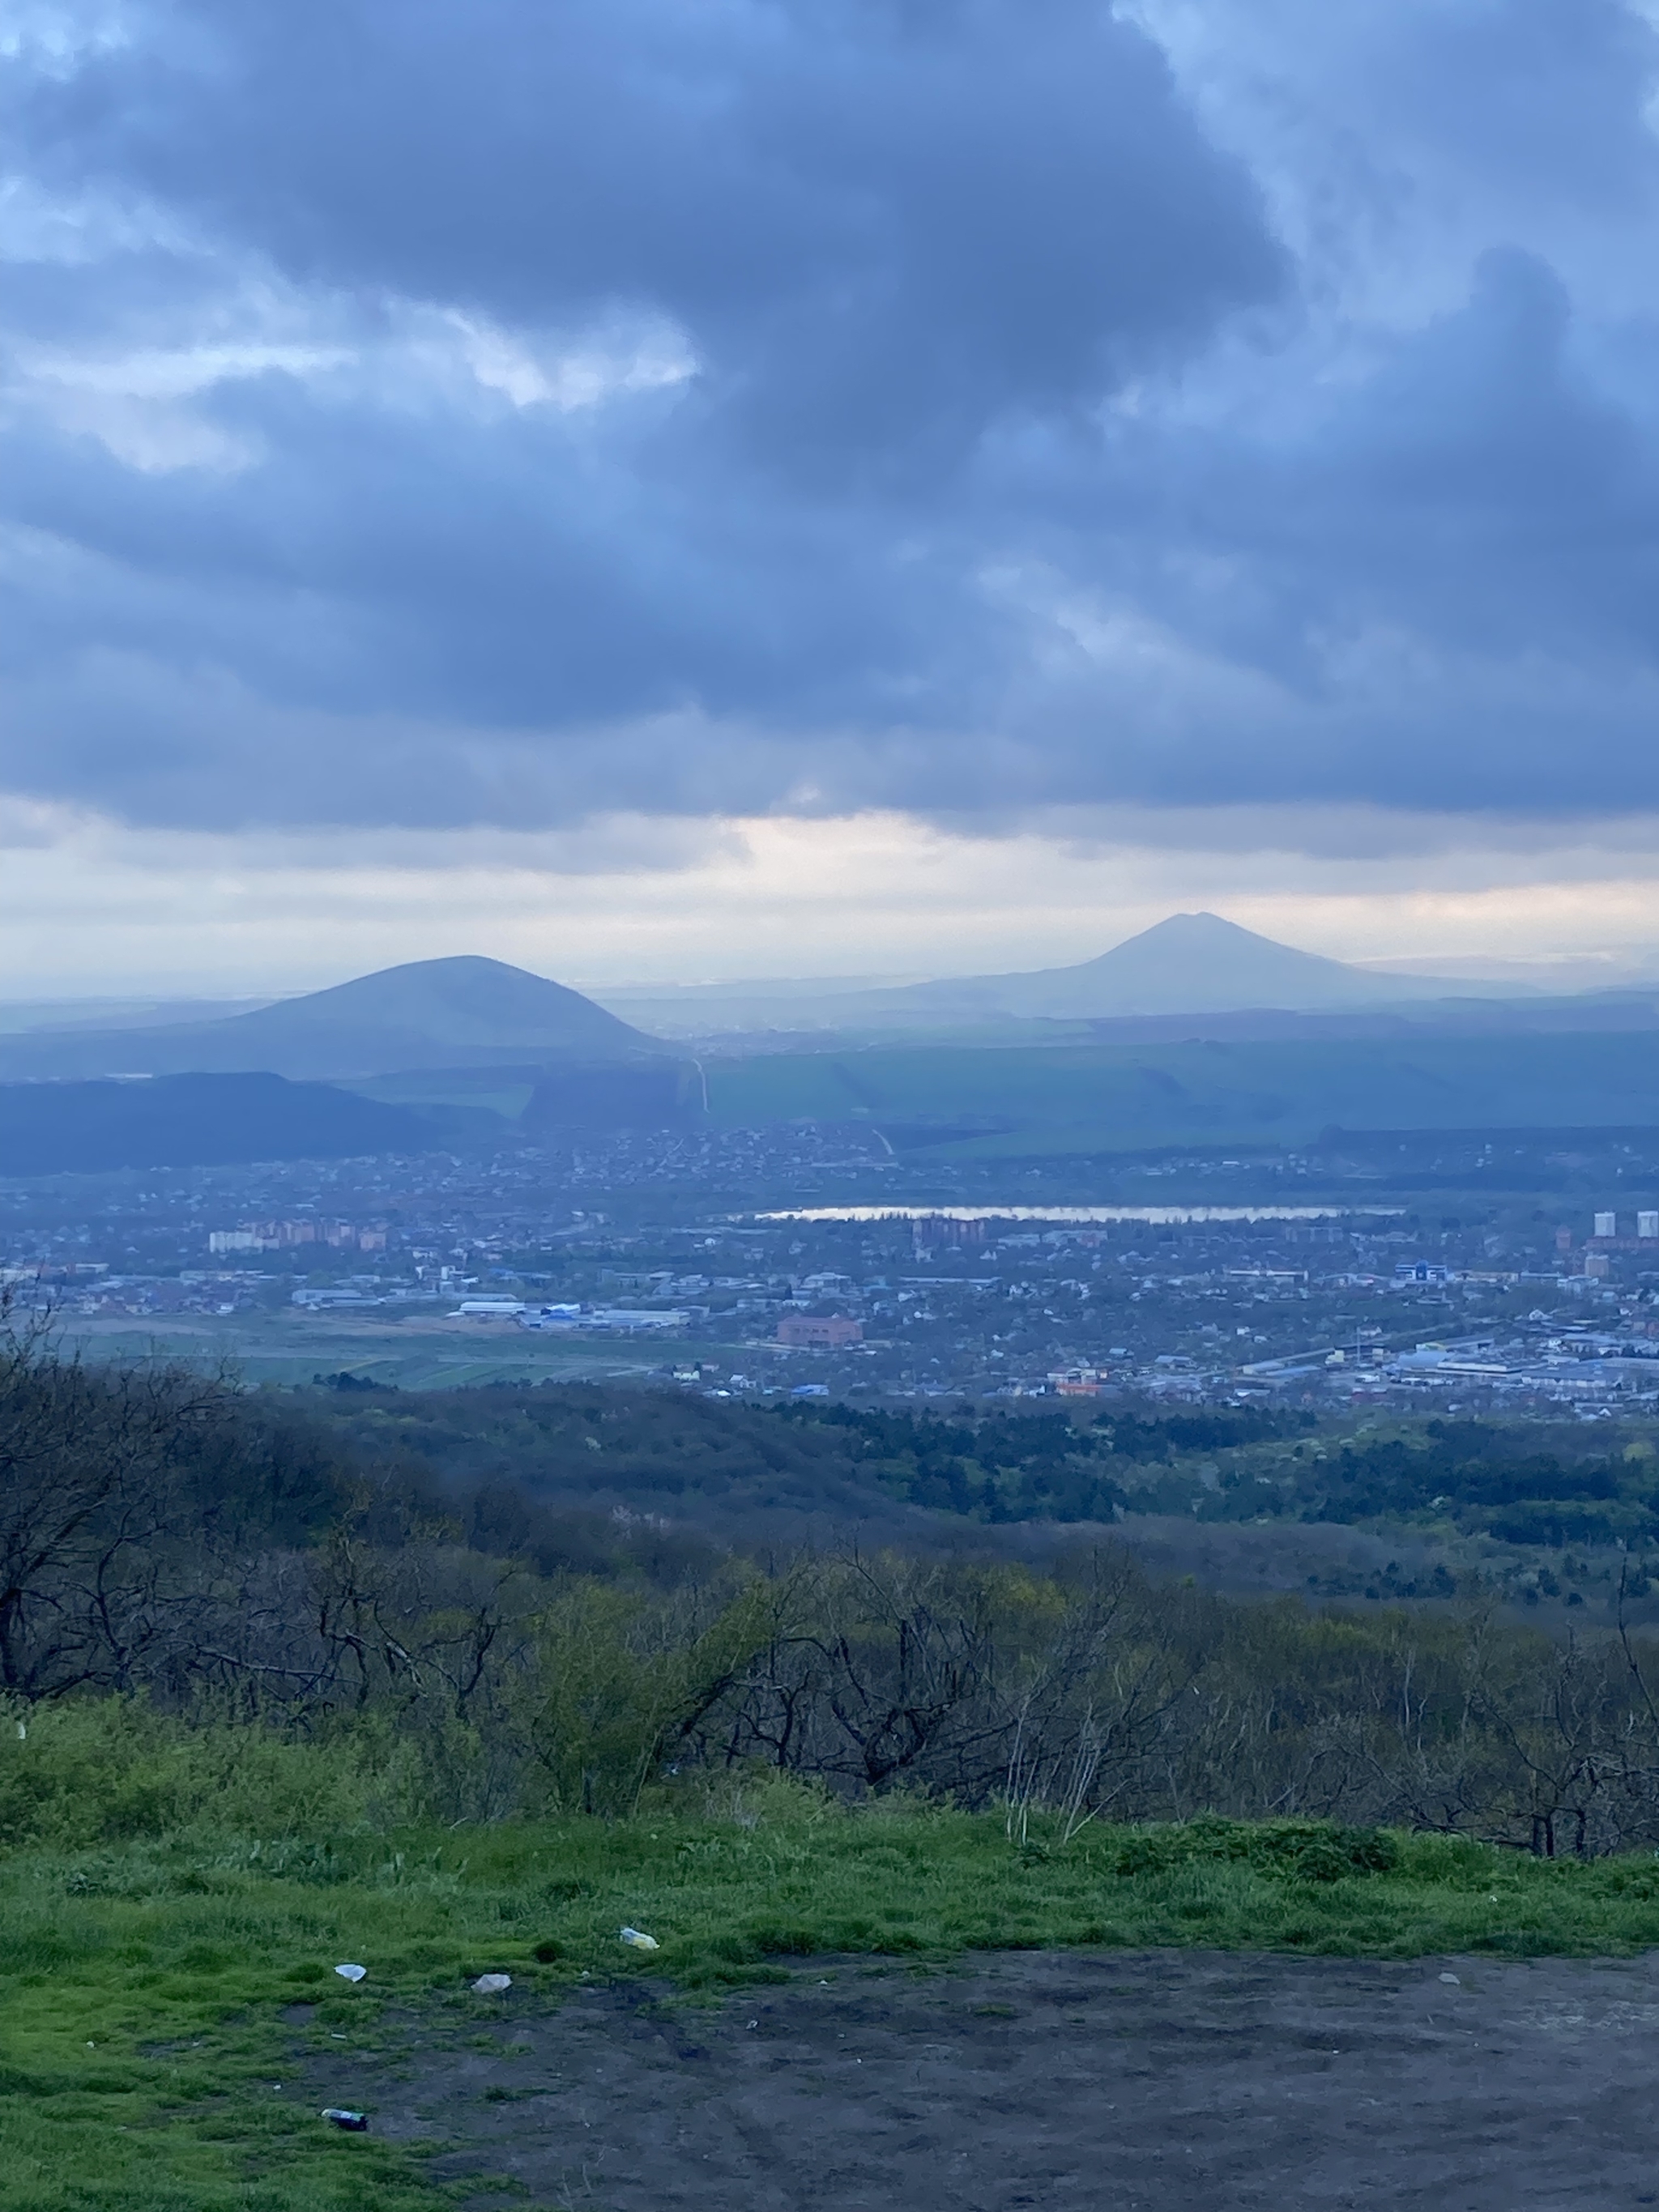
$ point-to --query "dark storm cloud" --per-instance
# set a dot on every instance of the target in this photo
(959, 437)
(1470, 513)
(883, 222)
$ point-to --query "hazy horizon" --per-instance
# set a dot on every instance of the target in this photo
(1628, 964)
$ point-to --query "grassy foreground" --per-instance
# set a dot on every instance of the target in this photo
(144, 1987)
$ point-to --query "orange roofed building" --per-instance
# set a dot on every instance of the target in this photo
(821, 1332)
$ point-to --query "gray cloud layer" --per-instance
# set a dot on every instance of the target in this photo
(435, 413)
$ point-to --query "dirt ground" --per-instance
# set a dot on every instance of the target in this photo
(1140, 2083)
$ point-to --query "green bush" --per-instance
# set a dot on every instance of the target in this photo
(1293, 1850)
(86, 1771)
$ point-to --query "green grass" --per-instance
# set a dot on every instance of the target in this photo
(290, 1348)
(143, 1987)
(1130, 1097)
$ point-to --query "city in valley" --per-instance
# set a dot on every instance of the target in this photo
(1302, 1280)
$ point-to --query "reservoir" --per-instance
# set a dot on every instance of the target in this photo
(1081, 1215)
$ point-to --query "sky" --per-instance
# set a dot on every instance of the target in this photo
(843, 487)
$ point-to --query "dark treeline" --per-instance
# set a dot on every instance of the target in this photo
(222, 1555)
(678, 1452)
(581, 1441)
(1483, 1475)
(1005, 1466)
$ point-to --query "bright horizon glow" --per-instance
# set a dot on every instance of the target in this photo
(90, 908)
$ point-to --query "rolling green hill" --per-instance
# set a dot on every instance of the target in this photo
(465, 1012)
(964, 1101)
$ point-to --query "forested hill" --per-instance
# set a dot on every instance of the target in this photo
(732, 1466)
(718, 1461)
(90, 1128)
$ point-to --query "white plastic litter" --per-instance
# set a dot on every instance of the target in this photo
(351, 1973)
(636, 1941)
(491, 1985)
(1453, 1979)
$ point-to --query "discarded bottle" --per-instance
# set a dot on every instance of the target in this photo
(490, 1985)
(636, 1941)
(351, 1973)
(343, 2117)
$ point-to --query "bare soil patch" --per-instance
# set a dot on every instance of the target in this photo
(1170, 2081)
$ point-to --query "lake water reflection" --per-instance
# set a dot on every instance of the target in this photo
(1080, 1215)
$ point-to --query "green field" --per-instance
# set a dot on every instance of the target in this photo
(1032, 1100)
(294, 1347)
(150, 2066)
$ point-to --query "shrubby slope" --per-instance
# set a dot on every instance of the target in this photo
(511, 1652)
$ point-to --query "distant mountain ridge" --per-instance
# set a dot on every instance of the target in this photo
(470, 1013)
(1195, 964)
(467, 1011)
(1188, 963)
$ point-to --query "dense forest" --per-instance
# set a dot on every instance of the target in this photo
(683, 1450)
(444, 1587)
(686, 1455)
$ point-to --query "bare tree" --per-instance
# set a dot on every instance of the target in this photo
(93, 1497)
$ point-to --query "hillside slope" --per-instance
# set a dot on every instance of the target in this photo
(197, 1121)
(990, 1100)
(463, 1012)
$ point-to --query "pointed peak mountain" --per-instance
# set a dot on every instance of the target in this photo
(1205, 954)
(1202, 929)
(1187, 963)
(1185, 936)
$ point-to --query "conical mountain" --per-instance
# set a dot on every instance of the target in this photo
(1188, 963)
(1202, 963)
